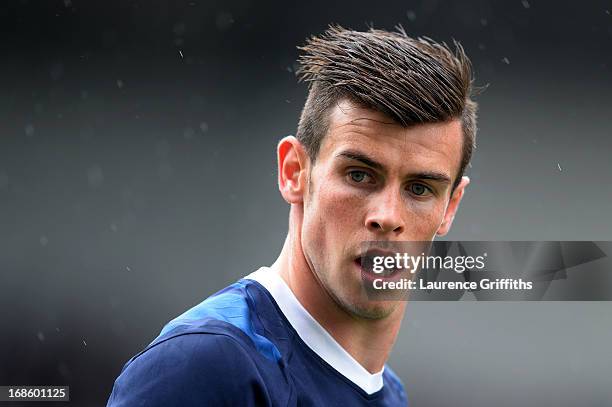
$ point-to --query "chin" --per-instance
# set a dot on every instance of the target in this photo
(367, 309)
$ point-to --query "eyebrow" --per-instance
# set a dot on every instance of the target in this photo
(354, 155)
(429, 175)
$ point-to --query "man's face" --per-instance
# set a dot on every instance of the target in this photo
(374, 180)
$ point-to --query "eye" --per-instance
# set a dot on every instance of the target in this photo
(419, 189)
(359, 176)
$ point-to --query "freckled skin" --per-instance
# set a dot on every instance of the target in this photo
(341, 211)
(372, 180)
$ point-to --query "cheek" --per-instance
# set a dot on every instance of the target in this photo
(335, 210)
(333, 214)
(340, 206)
(425, 219)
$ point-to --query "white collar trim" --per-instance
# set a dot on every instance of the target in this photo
(314, 335)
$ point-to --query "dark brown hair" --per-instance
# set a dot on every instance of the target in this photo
(410, 80)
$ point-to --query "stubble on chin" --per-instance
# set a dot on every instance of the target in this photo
(362, 307)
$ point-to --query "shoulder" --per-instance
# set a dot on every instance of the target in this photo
(191, 368)
(234, 310)
(215, 353)
(395, 385)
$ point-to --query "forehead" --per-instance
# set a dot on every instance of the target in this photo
(423, 147)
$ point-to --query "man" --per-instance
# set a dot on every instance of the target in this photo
(382, 144)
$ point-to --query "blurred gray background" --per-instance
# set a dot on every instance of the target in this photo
(137, 176)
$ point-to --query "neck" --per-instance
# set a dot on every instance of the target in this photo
(368, 341)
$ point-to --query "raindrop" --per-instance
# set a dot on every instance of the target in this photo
(29, 130)
(179, 29)
(114, 302)
(224, 20)
(56, 71)
(95, 177)
(188, 133)
(63, 370)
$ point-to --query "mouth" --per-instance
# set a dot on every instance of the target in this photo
(372, 267)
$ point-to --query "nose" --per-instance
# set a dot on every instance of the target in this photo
(386, 216)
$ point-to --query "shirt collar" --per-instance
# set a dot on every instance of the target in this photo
(313, 334)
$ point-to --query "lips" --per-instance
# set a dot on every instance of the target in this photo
(366, 264)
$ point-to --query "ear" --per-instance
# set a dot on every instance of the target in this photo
(452, 207)
(293, 165)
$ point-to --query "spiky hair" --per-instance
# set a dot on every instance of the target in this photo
(412, 81)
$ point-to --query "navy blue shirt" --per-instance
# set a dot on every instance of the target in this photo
(236, 348)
